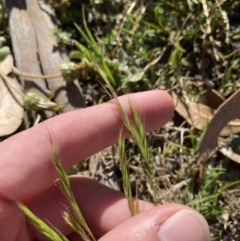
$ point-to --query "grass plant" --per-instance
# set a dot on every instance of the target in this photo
(75, 218)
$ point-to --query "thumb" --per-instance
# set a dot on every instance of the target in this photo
(163, 223)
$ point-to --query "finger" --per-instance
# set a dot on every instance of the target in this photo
(105, 209)
(162, 223)
(98, 203)
(26, 157)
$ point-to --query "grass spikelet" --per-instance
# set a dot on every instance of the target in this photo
(42, 227)
(138, 134)
(134, 208)
(78, 218)
(70, 220)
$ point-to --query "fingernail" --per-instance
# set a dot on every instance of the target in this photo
(186, 225)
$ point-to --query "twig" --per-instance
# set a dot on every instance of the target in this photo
(16, 71)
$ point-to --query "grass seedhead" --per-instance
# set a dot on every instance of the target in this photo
(47, 231)
(76, 219)
(133, 207)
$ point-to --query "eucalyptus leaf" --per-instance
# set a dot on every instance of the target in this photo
(11, 110)
(11, 99)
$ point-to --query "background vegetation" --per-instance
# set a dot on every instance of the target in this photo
(190, 47)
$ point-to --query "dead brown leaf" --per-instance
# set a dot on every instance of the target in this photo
(11, 99)
(198, 115)
(195, 114)
(229, 110)
(212, 99)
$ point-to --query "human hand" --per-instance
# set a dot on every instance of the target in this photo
(27, 174)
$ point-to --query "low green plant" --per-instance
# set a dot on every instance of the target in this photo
(206, 201)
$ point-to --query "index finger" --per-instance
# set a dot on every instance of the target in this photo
(26, 164)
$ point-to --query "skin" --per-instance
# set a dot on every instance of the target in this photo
(28, 173)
